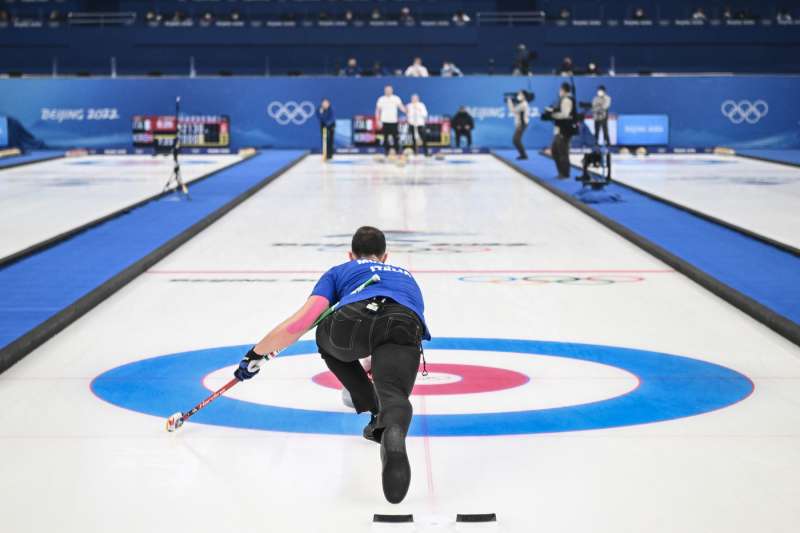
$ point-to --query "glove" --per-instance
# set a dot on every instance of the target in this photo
(249, 366)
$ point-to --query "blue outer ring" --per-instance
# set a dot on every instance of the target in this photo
(670, 387)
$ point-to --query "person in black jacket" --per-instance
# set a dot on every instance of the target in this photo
(463, 125)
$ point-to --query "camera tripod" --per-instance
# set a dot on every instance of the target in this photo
(175, 177)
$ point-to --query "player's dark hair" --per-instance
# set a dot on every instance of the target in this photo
(368, 241)
(566, 87)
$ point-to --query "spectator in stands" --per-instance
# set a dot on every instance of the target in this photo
(417, 69)
(565, 14)
(463, 125)
(406, 17)
(417, 116)
(699, 14)
(3, 16)
(450, 70)
(378, 69)
(592, 69)
(461, 19)
(152, 18)
(349, 17)
(746, 14)
(727, 13)
(639, 14)
(351, 69)
(522, 61)
(235, 16)
(323, 16)
(566, 68)
(600, 105)
(207, 20)
(55, 18)
(376, 14)
(784, 16)
(327, 125)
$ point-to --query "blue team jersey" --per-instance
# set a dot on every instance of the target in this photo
(396, 283)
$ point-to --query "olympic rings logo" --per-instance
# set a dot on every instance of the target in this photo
(543, 279)
(291, 112)
(744, 111)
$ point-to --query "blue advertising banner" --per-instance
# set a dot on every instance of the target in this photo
(740, 112)
(643, 130)
(3, 131)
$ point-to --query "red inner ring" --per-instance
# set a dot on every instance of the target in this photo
(474, 379)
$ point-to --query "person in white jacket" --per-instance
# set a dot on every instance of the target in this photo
(417, 69)
(387, 110)
(417, 115)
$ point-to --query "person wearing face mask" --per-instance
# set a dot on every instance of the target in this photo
(518, 107)
(600, 105)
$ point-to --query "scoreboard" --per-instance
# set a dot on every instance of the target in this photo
(366, 133)
(195, 131)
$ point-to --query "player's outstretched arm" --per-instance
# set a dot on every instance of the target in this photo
(291, 329)
(284, 334)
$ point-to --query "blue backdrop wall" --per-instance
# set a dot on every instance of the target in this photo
(741, 112)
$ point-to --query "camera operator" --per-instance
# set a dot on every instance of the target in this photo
(565, 128)
(519, 109)
(600, 105)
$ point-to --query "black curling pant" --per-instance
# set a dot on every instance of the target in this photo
(392, 335)
(390, 130)
(418, 136)
(560, 151)
(327, 140)
(463, 133)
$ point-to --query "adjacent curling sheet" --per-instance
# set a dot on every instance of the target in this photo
(755, 195)
(42, 200)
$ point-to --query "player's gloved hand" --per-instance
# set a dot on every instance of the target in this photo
(249, 366)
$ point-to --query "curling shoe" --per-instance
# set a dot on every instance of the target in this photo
(396, 473)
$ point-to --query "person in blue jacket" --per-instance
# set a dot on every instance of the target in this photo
(327, 123)
(385, 320)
